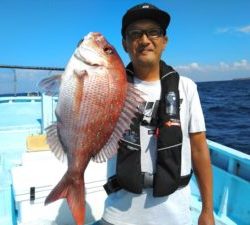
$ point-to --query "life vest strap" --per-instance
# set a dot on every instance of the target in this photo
(113, 186)
(185, 179)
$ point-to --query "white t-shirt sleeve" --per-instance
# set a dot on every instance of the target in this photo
(196, 122)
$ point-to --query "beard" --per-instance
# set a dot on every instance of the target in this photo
(146, 62)
(147, 59)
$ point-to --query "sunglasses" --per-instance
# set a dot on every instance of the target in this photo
(151, 33)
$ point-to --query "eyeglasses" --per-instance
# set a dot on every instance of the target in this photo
(151, 33)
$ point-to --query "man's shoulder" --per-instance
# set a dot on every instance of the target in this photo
(185, 79)
(187, 83)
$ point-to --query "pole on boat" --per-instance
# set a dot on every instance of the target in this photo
(15, 82)
(31, 67)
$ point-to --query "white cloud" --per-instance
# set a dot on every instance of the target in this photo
(242, 29)
(194, 66)
(218, 71)
(223, 30)
(245, 29)
(242, 65)
(224, 66)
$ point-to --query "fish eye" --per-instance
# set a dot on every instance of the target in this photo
(108, 50)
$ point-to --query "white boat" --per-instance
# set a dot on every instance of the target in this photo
(28, 171)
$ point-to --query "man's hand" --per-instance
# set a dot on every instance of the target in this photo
(206, 218)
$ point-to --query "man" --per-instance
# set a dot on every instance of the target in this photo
(153, 165)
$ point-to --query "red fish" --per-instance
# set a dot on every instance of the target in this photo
(95, 106)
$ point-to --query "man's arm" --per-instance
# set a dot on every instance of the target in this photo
(203, 172)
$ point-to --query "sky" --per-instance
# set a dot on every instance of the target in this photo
(207, 40)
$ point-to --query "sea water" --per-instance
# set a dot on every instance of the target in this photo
(226, 107)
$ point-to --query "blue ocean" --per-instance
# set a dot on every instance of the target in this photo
(226, 107)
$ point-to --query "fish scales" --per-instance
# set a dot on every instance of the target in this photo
(91, 115)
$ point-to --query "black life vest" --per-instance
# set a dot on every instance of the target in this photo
(167, 177)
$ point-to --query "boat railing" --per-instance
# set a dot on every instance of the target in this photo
(48, 111)
(16, 99)
(18, 80)
(229, 159)
(231, 172)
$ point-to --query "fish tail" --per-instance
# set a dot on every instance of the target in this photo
(73, 190)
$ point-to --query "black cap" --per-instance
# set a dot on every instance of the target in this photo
(145, 11)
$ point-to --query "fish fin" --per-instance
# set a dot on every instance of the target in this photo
(50, 85)
(79, 93)
(133, 104)
(55, 143)
(80, 73)
(73, 190)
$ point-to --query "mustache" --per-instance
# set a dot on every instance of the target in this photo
(144, 48)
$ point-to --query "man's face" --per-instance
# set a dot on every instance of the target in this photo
(144, 42)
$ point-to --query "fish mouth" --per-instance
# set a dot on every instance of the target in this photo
(89, 57)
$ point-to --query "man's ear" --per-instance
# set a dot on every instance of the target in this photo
(124, 44)
(165, 40)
